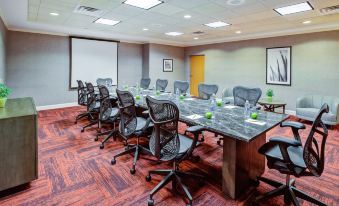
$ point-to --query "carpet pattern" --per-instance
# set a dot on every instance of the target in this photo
(74, 171)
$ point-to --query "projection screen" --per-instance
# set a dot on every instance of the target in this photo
(92, 59)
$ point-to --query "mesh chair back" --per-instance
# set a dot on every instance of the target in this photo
(164, 142)
(91, 97)
(207, 90)
(241, 94)
(128, 116)
(314, 153)
(228, 92)
(161, 84)
(82, 97)
(105, 82)
(145, 82)
(182, 86)
(105, 104)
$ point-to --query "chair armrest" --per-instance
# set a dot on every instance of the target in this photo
(285, 142)
(195, 129)
(296, 125)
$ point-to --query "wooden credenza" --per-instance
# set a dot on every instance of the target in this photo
(18, 143)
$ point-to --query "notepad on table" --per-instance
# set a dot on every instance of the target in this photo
(229, 107)
(194, 116)
(253, 121)
(189, 99)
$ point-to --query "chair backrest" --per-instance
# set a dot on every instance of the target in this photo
(144, 83)
(164, 142)
(91, 97)
(105, 103)
(82, 98)
(104, 81)
(128, 116)
(241, 94)
(182, 86)
(207, 90)
(314, 153)
(161, 84)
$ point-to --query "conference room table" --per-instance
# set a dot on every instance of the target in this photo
(242, 136)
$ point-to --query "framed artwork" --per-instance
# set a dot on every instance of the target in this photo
(278, 66)
(168, 65)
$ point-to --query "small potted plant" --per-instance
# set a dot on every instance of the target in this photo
(269, 95)
(4, 92)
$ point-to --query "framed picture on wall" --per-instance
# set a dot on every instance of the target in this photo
(168, 65)
(278, 66)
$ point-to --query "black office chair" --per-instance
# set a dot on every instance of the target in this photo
(82, 100)
(104, 81)
(207, 90)
(144, 83)
(289, 157)
(93, 106)
(161, 84)
(107, 115)
(131, 125)
(182, 86)
(241, 94)
(166, 144)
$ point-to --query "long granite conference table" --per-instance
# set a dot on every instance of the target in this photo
(242, 136)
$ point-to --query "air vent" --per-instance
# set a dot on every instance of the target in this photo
(89, 11)
(330, 10)
(198, 33)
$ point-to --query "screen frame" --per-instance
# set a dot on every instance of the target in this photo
(70, 57)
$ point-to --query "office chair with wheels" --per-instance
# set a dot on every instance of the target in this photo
(166, 144)
(207, 90)
(104, 82)
(144, 83)
(289, 157)
(161, 84)
(82, 100)
(93, 106)
(131, 125)
(182, 86)
(108, 114)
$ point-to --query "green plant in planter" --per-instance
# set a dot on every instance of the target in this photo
(269, 94)
(4, 92)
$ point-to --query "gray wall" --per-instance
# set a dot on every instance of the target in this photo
(159, 52)
(38, 66)
(3, 40)
(315, 64)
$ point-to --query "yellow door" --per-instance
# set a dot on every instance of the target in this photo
(197, 75)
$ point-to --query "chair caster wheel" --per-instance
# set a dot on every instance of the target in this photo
(82, 130)
(132, 171)
(148, 178)
(113, 162)
(219, 142)
(102, 146)
(150, 202)
(96, 139)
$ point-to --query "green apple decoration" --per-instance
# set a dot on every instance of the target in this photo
(208, 115)
(157, 92)
(254, 115)
(219, 103)
(137, 97)
(181, 97)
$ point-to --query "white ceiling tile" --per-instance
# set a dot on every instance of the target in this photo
(166, 9)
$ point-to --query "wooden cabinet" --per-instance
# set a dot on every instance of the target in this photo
(18, 143)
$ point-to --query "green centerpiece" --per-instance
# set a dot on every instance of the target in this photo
(219, 103)
(181, 97)
(208, 115)
(137, 97)
(254, 115)
(269, 95)
(157, 92)
(4, 92)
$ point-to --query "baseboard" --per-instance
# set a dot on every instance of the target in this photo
(57, 106)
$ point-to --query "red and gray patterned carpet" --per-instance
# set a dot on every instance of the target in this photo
(74, 171)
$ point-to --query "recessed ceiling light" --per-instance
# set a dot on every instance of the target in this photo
(54, 14)
(195, 38)
(238, 32)
(174, 33)
(217, 24)
(307, 22)
(305, 6)
(145, 29)
(235, 2)
(146, 4)
(107, 22)
(187, 16)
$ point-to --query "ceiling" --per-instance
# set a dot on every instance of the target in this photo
(254, 18)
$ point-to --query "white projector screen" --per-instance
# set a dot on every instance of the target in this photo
(92, 59)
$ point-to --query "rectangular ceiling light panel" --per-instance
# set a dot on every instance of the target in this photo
(296, 8)
(144, 4)
(107, 22)
(217, 24)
